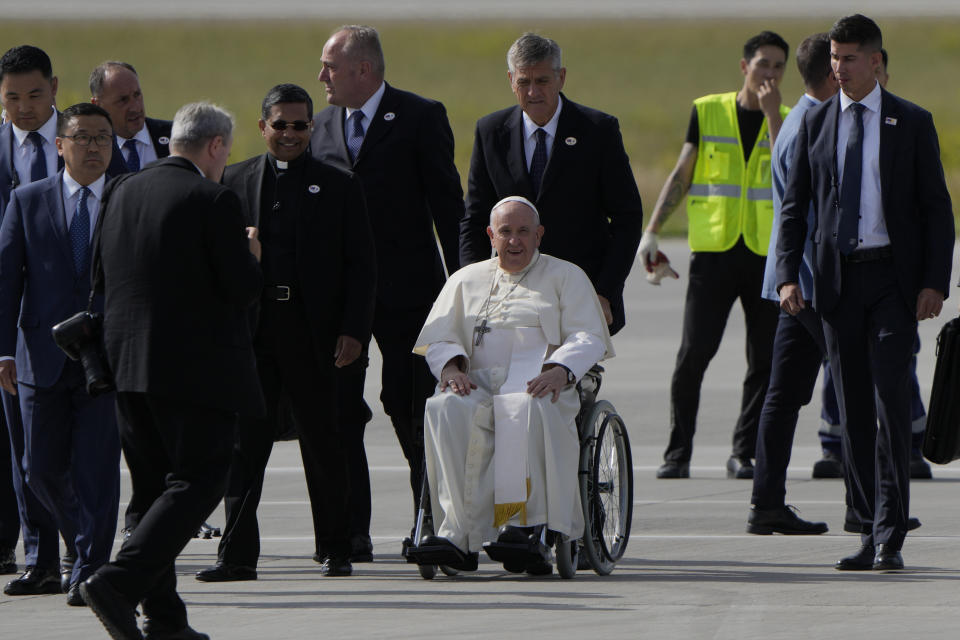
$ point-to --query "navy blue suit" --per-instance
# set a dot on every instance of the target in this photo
(72, 450)
(159, 131)
(40, 540)
(869, 308)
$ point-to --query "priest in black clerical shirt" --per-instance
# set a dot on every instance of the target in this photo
(315, 314)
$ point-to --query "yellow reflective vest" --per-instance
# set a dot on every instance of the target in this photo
(728, 197)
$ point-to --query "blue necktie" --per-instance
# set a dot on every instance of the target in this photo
(80, 234)
(38, 165)
(355, 134)
(849, 228)
(133, 158)
(539, 162)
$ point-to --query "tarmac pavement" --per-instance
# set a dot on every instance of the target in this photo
(690, 570)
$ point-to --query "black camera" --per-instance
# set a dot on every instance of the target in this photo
(81, 338)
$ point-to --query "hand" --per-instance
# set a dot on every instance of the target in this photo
(254, 242)
(457, 380)
(607, 311)
(929, 304)
(8, 376)
(348, 350)
(553, 380)
(769, 95)
(648, 249)
(791, 300)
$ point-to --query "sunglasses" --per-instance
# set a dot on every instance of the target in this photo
(298, 125)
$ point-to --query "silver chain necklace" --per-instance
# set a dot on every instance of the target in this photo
(482, 329)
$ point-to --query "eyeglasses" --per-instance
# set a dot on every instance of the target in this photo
(298, 125)
(83, 139)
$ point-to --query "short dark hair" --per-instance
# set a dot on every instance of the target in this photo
(24, 59)
(762, 39)
(99, 74)
(883, 54)
(79, 109)
(286, 93)
(813, 60)
(857, 29)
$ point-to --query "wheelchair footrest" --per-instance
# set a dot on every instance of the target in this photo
(447, 555)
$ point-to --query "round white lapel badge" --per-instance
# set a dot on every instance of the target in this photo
(389, 115)
(163, 140)
(313, 189)
(571, 141)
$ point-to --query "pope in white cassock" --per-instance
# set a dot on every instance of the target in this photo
(507, 339)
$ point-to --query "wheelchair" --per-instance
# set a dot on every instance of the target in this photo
(605, 480)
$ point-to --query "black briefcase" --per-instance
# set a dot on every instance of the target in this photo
(941, 444)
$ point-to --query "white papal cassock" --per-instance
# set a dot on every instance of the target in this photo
(499, 444)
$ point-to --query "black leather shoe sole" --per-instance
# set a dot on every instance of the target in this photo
(117, 617)
(227, 573)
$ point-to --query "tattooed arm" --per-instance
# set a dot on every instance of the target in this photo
(676, 187)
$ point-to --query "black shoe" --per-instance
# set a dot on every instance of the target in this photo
(74, 597)
(361, 548)
(226, 572)
(887, 559)
(783, 520)
(674, 470)
(919, 469)
(741, 468)
(117, 615)
(862, 560)
(34, 582)
(852, 525)
(829, 466)
(153, 630)
(8, 561)
(66, 572)
(334, 567)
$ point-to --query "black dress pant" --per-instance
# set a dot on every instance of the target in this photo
(870, 336)
(797, 354)
(716, 281)
(178, 454)
(287, 359)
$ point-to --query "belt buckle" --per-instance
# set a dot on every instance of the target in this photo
(284, 294)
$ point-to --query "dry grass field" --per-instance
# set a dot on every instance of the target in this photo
(644, 72)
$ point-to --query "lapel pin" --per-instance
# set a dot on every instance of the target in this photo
(163, 140)
(389, 115)
(313, 189)
(889, 120)
(570, 141)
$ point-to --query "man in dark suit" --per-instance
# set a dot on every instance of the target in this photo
(71, 446)
(314, 317)
(179, 273)
(401, 147)
(28, 152)
(883, 242)
(140, 140)
(567, 159)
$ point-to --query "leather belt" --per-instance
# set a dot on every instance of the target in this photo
(869, 255)
(277, 293)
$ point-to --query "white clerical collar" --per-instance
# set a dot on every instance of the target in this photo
(530, 127)
(71, 186)
(142, 136)
(48, 130)
(870, 101)
(370, 107)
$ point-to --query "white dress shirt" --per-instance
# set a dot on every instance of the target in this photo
(23, 148)
(144, 147)
(530, 130)
(872, 228)
(369, 109)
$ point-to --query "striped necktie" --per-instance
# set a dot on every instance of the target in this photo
(355, 134)
(80, 234)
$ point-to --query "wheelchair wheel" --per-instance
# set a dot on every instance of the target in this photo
(567, 557)
(427, 571)
(606, 487)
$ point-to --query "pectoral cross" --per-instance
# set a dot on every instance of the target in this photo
(479, 331)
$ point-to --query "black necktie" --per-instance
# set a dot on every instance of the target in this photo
(539, 162)
(133, 158)
(849, 227)
(38, 165)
